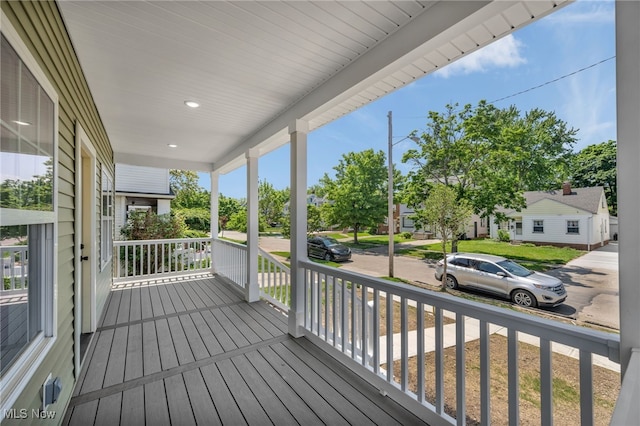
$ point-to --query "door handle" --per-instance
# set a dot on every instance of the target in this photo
(84, 258)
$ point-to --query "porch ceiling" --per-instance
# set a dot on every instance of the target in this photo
(256, 66)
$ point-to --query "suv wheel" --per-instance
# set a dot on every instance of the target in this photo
(451, 282)
(327, 256)
(524, 298)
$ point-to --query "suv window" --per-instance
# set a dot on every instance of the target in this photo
(461, 261)
(489, 268)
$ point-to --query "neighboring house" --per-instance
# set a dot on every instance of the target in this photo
(477, 226)
(613, 228)
(140, 188)
(570, 217)
(312, 200)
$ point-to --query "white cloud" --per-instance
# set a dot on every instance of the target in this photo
(584, 12)
(503, 53)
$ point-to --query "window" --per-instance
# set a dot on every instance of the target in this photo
(538, 226)
(483, 222)
(573, 227)
(489, 268)
(28, 229)
(106, 233)
(407, 223)
(461, 261)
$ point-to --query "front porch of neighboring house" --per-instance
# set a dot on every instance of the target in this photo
(179, 344)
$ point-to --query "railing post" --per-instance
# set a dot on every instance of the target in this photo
(252, 290)
(215, 215)
(298, 210)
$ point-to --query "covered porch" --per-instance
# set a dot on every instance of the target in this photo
(192, 351)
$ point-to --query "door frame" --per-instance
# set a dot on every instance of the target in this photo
(85, 289)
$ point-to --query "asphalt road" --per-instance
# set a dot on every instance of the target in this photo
(591, 280)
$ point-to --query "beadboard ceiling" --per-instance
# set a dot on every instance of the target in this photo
(255, 66)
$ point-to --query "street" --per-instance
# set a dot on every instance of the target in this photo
(591, 280)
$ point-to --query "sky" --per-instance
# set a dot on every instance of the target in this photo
(576, 43)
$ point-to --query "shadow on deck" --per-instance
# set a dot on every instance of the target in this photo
(192, 351)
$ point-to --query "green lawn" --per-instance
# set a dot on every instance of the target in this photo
(368, 241)
(530, 256)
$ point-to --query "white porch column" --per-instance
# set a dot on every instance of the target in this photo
(298, 210)
(214, 208)
(252, 292)
(628, 105)
(215, 205)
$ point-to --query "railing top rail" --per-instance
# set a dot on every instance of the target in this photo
(597, 342)
(229, 243)
(14, 248)
(268, 255)
(160, 241)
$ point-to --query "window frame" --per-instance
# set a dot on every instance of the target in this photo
(577, 227)
(19, 374)
(541, 226)
(106, 220)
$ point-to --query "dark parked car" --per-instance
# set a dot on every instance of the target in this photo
(328, 249)
(503, 277)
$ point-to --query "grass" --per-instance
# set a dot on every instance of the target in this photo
(533, 257)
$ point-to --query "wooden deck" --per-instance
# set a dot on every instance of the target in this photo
(192, 352)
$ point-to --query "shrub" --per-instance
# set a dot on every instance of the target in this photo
(192, 233)
(406, 235)
(504, 236)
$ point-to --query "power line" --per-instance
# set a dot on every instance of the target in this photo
(554, 80)
(540, 85)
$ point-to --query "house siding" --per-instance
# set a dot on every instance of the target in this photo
(143, 180)
(42, 30)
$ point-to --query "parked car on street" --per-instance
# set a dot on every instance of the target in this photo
(328, 249)
(503, 277)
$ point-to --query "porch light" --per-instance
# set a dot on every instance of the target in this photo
(172, 145)
(192, 104)
(21, 123)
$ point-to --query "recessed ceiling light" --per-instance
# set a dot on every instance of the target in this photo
(21, 123)
(172, 145)
(192, 104)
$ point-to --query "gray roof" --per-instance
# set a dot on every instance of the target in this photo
(587, 199)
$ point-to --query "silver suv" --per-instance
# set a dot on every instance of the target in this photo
(503, 277)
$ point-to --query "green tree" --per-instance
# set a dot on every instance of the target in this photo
(358, 193)
(490, 156)
(595, 165)
(238, 222)
(446, 214)
(147, 225)
(189, 194)
(314, 219)
(271, 201)
(227, 207)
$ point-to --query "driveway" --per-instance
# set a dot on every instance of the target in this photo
(592, 286)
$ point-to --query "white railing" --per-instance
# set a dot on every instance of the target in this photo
(15, 267)
(274, 279)
(401, 342)
(143, 259)
(627, 411)
(230, 261)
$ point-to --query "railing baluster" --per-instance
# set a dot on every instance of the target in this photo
(327, 304)
(344, 316)
(439, 361)
(420, 371)
(485, 374)
(404, 345)
(389, 300)
(546, 384)
(586, 389)
(461, 408)
(514, 380)
(376, 331)
(365, 326)
(354, 315)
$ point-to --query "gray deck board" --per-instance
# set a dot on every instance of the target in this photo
(134, 365)
(132, 402)
(155, 404)
(117, 357)
(185, 352)
(150, 350)
(109, 410)
(180, 409)
(204, 410)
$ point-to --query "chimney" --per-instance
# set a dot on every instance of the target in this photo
(566, 188)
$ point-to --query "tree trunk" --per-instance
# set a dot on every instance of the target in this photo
(355, 233)
(454, 245)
